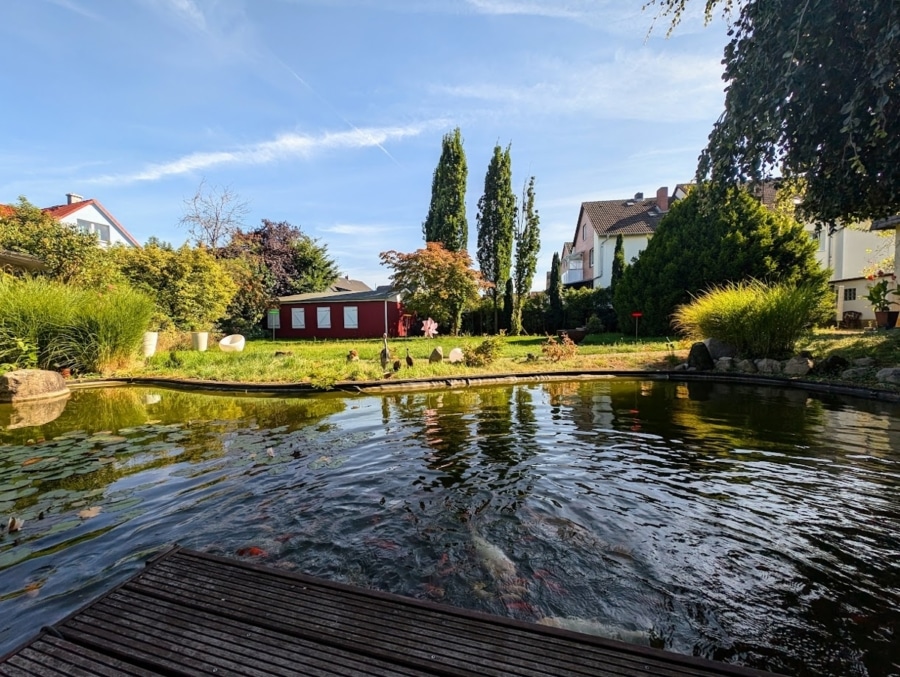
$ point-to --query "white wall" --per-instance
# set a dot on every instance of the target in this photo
(90, 213)
(848, 252)
(605, 248)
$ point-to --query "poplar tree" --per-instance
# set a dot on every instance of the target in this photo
(446, 221)
(618, 264)
(496, 224)
(555, 295)
(528, 245)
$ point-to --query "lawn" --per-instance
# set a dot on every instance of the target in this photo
(323, 363)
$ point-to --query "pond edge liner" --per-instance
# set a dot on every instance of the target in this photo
(489, 380)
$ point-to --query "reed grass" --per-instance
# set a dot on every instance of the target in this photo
(758, 320)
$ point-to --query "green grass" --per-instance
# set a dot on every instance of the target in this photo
(325, 362)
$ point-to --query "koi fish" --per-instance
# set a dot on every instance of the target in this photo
(493, 559)
(252, 551)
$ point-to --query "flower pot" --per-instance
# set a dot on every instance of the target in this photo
(886, 319)
(148, 346)
(199, 340)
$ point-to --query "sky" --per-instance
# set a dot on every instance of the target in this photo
(329, 114)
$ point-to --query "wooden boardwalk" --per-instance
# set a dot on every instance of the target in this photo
(197, 614)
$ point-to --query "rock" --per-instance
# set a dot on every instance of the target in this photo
(681, 367)
(725, 364)
(22, 385)
(888, 375)
(768, 366)
(699, 358)
(747, 366)
(864, 362)
(33, 413)
(718, 349)
(855, 373)
(437, 355)
(833, 364)
(456, 356)
(798, 366)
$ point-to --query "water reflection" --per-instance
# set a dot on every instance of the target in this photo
(745, 524)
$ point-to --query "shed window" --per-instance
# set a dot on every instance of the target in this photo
(298, 318)
(351, 317)
(323, 317)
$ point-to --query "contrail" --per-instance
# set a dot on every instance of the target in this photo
(330, 107)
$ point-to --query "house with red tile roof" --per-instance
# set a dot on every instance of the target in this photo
(587, 260)
(92, 217)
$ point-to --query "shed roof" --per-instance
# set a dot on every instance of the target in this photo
(343, 297)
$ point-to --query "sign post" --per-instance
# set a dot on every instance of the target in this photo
(637, 315)
(273, 320)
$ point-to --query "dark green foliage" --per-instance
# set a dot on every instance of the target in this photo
(534, 313)
(496, 224)
(528, 246)
(446, 221)
(813, 92)
(555, 296)
(580, 304)
(484, 353)
(508, 305)
(618, 264)
(296, 263)
(701, 243)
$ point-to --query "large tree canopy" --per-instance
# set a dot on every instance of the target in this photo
(528, 245)
(814, 91)
(435, 282)
(703, 242)
(446, 221)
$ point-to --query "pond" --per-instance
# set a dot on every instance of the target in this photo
(746, 524)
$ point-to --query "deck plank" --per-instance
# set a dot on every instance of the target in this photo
(190, 613)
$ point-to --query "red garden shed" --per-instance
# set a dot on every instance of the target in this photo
(340, 315)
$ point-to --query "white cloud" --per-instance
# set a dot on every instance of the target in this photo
(356, 229)
(636, 85)
(75, 7)
(283, 147)
(184, 10)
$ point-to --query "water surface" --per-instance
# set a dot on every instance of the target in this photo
(745, 524)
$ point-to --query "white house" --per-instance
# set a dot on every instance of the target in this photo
(587, 260)
(92, 217)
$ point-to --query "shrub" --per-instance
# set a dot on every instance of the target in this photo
(562, 349)
(484, 353)
(756, 319)
(595, 325)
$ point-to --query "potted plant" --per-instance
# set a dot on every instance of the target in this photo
(878, 296)
(199, 337)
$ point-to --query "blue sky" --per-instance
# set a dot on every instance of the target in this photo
(329, 114)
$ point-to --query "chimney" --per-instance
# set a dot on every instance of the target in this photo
(638, 197)
(72, 198)
(662, 199)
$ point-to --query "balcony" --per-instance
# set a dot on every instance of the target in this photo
(573, 276)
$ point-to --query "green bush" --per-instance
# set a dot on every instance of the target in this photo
(50, 325)
(756, 319)
(484, 353)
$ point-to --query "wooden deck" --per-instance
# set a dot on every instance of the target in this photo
(192, 613)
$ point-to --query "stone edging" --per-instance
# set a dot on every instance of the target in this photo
(493, 379)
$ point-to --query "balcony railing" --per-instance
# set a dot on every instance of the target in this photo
(572, 276)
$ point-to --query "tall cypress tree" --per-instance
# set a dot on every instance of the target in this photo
(618, 264)
(555, 294)
(528, 245)
(496, 224)
(446, 221)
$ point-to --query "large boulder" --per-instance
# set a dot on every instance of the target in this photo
(437, 356)
(888, 375)
(768, 366)
(23, 385)
(699, 358)
(718, 349)
(798, 366)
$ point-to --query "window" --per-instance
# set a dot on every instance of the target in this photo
(849, 293)
(298, 318)
(323, 318)
(591, 259)
(351, 317)
(583, 231)
(100, 229)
